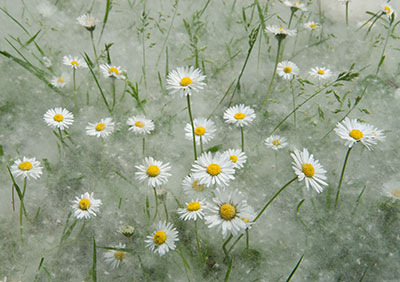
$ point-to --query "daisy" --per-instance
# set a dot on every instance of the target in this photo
(163, 238)
(236, 156)
(210, 170)
(192, 210)
(115, 257)
(320, 73)
(240, 115)
(140, 125)
(58, 118)
(74, 62)
(311, 25)
(86, 206)
(295, 5)
(392, 190)
(28, 167)
(287, 70)
(112, 71)
(251, 215)
(354, 131)
(87, 21)
(126, 230)
(203, 129)
(154, 171)
(280, 32)
(59, 81)
(101, 129)
(192, 188)
(184, 80)
(387, 9)
(227, 211)
(308, 169)
(276, 142)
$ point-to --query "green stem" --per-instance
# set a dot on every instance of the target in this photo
(242, 134)
(94, 47)
(191, 122)
(274, 73)
(143, 146)
(198, 241)
(347, 13)
(234, 243)
(247, 239)
(113, 93)
(291, 18)
(165, 210)
(384, 49)
(75, 94)
(226, 243)
(156, 199)
(228, 272)
(341, 176)
(201, 145)
(294, 106)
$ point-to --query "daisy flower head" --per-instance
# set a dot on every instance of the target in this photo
(251, 215)
(112, 71)
(192, 188)
(275, 142)
(391, 190)
(140, 125)
(354, 131)
(126, 230)
(155, 172)
(280, 32)
(58, 118)
(101, 129)
(163, 238)
(85, 206)
(210, 170)
(115, 257)
(87, 21)
(311, 25)
(226, 212)
(27, 168)
(204, 129)
(185, 80)
(287, 70)
(59, 81)
(239, 115)
(387, 9)
(236, 156)
(193, 210)
(320, 73)
(295, 5)
(74, 62)
(308, 169)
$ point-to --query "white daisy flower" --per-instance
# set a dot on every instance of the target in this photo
(236, 156)
(210, 170)
(287, 70)
(184, 80)
(276, 142)
(297, 5)
(126, 230)
(391, 189)
(112, 71)
(354, 131)
(58, 118)
(85, 206)
(87, 21)
(240, 115)
(155, 172)
(203, 128)
(74, 62)
(140, 125)
(101, 129)
(280, 32)
(47, 62)
(59, 81)
(163, 238)
(227, 211)
(193, 210)
(387, 9)
(28, 167)
(311, 25)
(321, 73)
(192, 188)
(251, 215)
(115, 257)
(308, 169)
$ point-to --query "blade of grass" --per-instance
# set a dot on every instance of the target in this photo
(295, 269)
(108, 9)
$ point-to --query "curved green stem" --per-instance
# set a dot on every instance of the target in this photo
(226, 243)
(341, 176)
(191, 122)
(274, 73)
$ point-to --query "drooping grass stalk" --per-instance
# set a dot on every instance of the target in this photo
(191, 122)
(274, 73)
(242, 135)
(156, 199)
(347, 12)
(198, 242)
(341, 176)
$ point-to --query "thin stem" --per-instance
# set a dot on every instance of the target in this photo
(94, 47)
(247, 239)
(165, 210)
(234, 243)
(143, 145)
(291, 17)
(274, 73)
(276, 159)
(226, 243)
(191, 122)
(113, 93)
(201, 144)
(384, 49)
(242, 134)
(228, 272)
(156, 199)
(341, 176)
(294, 106)
(198, 241)
(21, 227)
(347, 13)
(75, 98)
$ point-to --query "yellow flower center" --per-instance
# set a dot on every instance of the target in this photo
(308, 170)
(193, 206)
(139, 124)
(58, 117)
(153, 171)
(74, 63)
(245, 220)
(387, 9)
(113, 70)
(239, 116)
(159, 237)
(197, 187)
(84, 204)
(200, 130)
(281, 29)
(186, 81)
(312, 26)
(321, 72)
(61, 79)
(119, 255)
(100, 126)
(227, 211)
(233, 158)
(356, 134)
(25, 166)
(298, 3)
(396, 193)
(213, 169)
(287, 69)
(276, 142)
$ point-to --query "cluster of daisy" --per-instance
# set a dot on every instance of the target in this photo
(289, 70)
